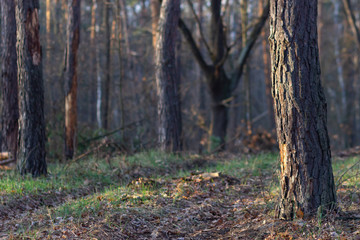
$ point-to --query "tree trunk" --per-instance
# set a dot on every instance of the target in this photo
(155, 13)
(106, 110)
(93, 78)
(121, 65)
(307, 182)
(9, 84)
(247, 84)
(339, 69)
(31, 148)
(267, 74)
(167, 78)
(73, 39)
(221, 86)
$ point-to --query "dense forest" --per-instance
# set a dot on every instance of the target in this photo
(182, 102)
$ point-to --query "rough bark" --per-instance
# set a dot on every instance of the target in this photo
(73, 40)
(9, 85)
(167, 78)
(31, 148)
(307, 183)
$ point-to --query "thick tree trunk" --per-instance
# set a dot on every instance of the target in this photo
(31, 148)
(167, 78)
(9, 84)
(73, 39)
(307, 183)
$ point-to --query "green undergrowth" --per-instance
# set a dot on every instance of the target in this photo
(120, 183)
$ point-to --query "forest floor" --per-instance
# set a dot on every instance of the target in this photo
(156, 196)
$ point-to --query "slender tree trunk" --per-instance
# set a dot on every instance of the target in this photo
(339, 69)
(99, 90)
(31, 148)
(73, 40)
(267, 73)
(307, 182)
(106, 110)
(129, 61)
(244, 30)
(93, 78)
(200, 78)
(121, 65)
(9, 84)
(155, 13)
(167, 78)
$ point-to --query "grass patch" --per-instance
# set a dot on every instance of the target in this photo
(156, 195)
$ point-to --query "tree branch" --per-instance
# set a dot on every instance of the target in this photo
(250, 43)
(203, 39)
(351, 19)
(194, 49)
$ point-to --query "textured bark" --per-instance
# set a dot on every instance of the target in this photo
(31, 148)
(73, 40)
(9, 86)
(167, 78)
(307, 183)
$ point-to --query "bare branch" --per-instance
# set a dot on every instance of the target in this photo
(352, 20)
(195, 50)
(203, 39)
(250, 43)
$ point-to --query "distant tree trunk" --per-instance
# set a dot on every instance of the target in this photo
(106, 109)
(247, 84)
(121, 65)
(99, 90)
(9, 85)
(31, 148)
(339, 69)
(93, 77)
(267, 74)
(155, 13)
(307, 182)
(167, 78)
(73, 40)
(220, 84)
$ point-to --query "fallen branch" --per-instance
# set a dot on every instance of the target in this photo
(4, 162)
(111, 132)
(86, 153)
